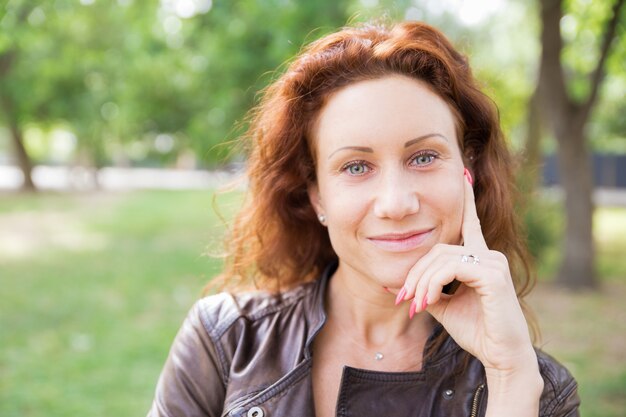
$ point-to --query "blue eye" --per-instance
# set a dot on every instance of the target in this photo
(423, 159)
(356, 168)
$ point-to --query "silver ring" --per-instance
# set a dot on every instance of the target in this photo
(466, 259)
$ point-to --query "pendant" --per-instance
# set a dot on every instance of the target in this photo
(378, 356)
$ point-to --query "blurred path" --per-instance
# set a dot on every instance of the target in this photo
(82, 179)
(602, 197)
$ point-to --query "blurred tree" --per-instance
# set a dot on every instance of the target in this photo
(133, 70)
(568, 100)
(236, 49)
(139, 81)
(49, 50)
(14, 111)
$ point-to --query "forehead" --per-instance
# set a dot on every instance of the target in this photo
(385, 109)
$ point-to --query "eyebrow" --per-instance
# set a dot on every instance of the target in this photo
(406, 145)
(352, 148)
(426, 136)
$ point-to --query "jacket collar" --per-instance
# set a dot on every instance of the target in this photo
(315, 306)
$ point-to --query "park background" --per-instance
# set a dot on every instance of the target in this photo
(117, 124)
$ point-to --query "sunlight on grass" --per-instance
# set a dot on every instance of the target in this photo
(85, 331)
(610, 235)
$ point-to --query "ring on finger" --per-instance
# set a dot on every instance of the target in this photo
(470, 258)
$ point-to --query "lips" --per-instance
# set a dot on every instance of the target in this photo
(401, 242)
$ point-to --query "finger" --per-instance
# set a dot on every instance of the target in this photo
(423, 264)
(441, 257)
(471, 231)
(464, 274)
(444, 267)
(448, 267)
(438, 309)
(436, 278)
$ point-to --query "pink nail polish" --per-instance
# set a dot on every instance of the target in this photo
(412, 309)
(400, 296)
(425, 303)
(468, 176)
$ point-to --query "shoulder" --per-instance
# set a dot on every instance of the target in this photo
(560, 392)
(226, 332)
(261, 333)
(222, 312)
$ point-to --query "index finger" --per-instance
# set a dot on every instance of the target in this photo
(471, 230)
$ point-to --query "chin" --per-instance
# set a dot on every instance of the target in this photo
(394, 274)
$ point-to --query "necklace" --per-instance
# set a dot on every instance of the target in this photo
(392, 356)
(378, 355)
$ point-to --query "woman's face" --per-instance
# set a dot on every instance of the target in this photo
(389, 176)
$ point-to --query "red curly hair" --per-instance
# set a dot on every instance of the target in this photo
(277, 241)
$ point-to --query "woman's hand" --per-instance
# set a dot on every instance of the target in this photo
(484, 316)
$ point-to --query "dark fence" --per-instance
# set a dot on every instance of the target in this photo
(608, 170)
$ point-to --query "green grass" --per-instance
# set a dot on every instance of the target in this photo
(94, 287)
(587, 332)
(86, 328)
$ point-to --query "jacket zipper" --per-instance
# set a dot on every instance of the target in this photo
(476, 399)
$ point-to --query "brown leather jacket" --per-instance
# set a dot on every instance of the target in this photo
(250, 356)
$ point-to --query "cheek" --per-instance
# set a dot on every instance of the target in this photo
(450, 201)
(345, 209)
(343, 225)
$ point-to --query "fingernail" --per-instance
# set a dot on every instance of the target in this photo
(468, 176)
(412, 309)
(425, 303)
(400, 296)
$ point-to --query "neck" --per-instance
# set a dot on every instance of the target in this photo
(370, 317)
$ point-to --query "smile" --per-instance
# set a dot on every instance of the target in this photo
(400, 242)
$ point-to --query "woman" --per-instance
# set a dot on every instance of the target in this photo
(380, 183)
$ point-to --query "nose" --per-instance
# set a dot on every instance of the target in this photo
(396, 196)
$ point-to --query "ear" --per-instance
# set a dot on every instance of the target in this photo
(314, 198)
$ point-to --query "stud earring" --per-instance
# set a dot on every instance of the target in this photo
(321, 218)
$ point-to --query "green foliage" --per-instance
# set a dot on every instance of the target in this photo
(582, 28)
(544, 225)
(239, 51)
(505, 61)
(129, 71)
(119, 74)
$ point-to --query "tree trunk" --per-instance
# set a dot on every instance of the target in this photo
(567, 123)
(6, 64)
(568, 119)
(531, 167)
(23, 160)
(575, 174)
